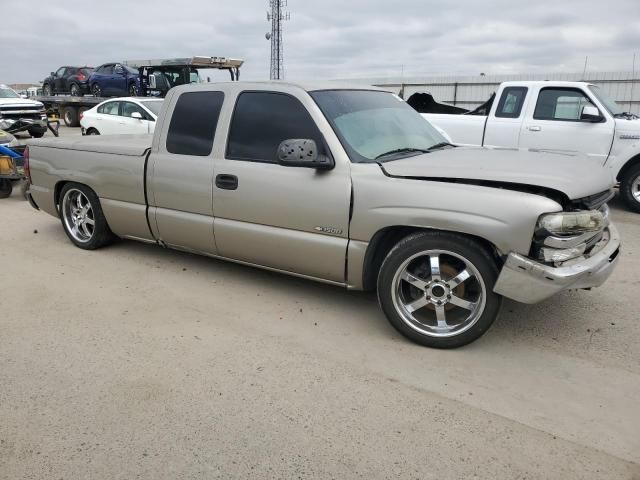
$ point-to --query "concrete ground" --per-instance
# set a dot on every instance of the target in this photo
(139, 362)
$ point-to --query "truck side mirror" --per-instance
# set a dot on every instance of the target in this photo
(590, 114)
(53, 74)
(302, 152)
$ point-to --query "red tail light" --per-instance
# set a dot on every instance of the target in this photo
(27, 172)
(81, 77)
(81, 115)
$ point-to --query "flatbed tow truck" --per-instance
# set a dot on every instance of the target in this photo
(157, 77)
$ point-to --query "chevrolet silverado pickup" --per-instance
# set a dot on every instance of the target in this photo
(564, 116)
(345, 185)
(19, 114)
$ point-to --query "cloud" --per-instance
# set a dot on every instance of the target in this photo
(329, 39)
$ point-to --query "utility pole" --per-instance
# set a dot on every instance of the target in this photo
(276, 16)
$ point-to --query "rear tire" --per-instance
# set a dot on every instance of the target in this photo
(71, 117)
(133, 90)
(82, 217)
(630, 188)
(93, 131)
(436, 289)
(76, 91)
(6, 187)
(96, 90)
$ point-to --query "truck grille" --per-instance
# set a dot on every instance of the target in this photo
(16, 113)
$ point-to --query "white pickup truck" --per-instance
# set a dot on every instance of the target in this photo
(565, 116)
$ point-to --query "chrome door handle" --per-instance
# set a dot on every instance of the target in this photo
(534, 128)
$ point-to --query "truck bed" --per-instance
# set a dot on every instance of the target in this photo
(131, 145)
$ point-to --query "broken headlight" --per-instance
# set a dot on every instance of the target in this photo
(564, 224)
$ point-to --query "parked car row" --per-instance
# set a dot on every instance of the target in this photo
(108, 80)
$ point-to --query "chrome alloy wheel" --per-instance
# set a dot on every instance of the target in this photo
(439, 293)
(78, 215)
(635, 188)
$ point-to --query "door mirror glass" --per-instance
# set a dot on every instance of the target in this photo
(136, 115)
(302, 152)
(53, 74)
(590, 114)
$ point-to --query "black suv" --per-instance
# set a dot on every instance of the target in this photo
(73, 80)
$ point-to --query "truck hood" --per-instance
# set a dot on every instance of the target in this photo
(575, 175)
(20, 102)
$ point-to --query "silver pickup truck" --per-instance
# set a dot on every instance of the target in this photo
(345, 185)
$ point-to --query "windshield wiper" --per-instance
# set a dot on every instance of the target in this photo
(440, 145)
(402, 150)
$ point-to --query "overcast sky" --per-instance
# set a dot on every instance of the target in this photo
(326, 39)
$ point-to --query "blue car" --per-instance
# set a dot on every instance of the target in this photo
(114, 80)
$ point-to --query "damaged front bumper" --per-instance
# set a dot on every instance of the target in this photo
(12, 125)
(528, 281)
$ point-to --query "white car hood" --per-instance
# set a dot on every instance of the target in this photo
(575, 175)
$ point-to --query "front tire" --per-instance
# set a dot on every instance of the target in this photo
(37, 133)
(93, 131)
(630, 188)
(46, 90)
(6, 188)
(82, 217)
(437, 289)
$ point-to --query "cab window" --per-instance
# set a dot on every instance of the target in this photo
(511, 101)
(193, 123)
(262, 120)
(560, 104)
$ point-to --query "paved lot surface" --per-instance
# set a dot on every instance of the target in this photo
(139, 362)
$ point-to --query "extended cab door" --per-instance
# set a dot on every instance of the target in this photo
(294, 219)
(553, 123)
(505, 119)
(180, 171)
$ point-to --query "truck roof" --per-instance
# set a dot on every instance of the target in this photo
(543, 83)
(283, 85)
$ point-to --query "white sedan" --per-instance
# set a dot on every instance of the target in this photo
(121, 116)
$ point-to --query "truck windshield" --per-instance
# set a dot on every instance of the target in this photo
(609, 104)
(376, 126)
(8, 93)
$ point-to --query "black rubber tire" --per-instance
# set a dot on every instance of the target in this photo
(6, 187)
(37, 133)
(93, 131)
(626, 182)
(102, 234)
(46, 90)
(133, 90)
(96, 91)
(473, 251)
(71, 117)
(75, 90)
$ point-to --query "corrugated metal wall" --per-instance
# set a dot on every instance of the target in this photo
(469, 92)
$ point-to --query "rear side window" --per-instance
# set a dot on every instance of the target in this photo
(561, 104)
(262, 120)
(193, 123)
(109, 108)
(511, 101)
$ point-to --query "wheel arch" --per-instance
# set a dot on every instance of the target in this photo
(632, 162)
(386, 238)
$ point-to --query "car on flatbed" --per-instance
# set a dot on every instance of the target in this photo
(552, 115)
(341, 184)
(67, 80)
